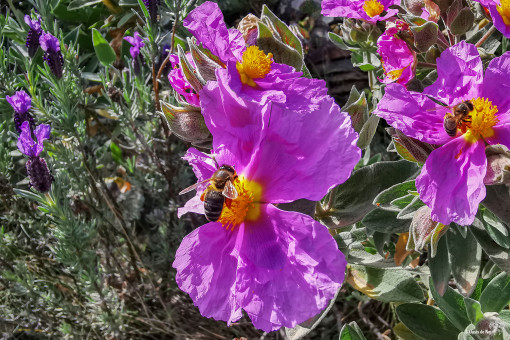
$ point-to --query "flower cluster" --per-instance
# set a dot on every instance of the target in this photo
(37, 169)
(137, 43)
(452, 180)
(21, 103)
(287, 140)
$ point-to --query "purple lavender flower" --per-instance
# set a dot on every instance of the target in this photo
(451, 182)
(21, 103)
(152, 7)
(34, 33)
(137, 43)
(52, 54)
(37, 169)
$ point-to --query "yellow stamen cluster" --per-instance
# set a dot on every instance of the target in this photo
(483, 118)
(504, 11)
(246, 207)
(256, 64)
(374, 7)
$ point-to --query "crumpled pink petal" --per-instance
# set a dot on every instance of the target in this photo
(206, 23)
(354, 9)
(413, 113)
(282, 269)
(459, 75)
(451, 181)
(494, 88)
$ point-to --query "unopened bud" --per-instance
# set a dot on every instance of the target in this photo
(39, 174)
(425, 231)
(248, 26)
(498, 165)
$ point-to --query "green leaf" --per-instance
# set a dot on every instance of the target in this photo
(410, 209)
(367, 132)
(497, 294)
(353, 199)
(387, 285)
(116, 153)
(474, 310)
(403, 152)
(465, 255)
(351, 331)
(496, 229)
(453, 305)
(285, 34)
(104, 51)
(338, 41)
(306, 327)
(426, 321)
(402, 332)
(499, 255)
(386, 198)
(495, 195)
(282, 53)
(76, 4)
(357, 107)
(144, 10)
(385, 221)
(440, 268)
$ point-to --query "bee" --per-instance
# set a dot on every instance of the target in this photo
(459, 117)
(220, 188)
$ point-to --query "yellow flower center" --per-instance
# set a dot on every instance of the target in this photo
(481, 120)
(374, 7)
(504, 11)
(246, 207)
(256, 64)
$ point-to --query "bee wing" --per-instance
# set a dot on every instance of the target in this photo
(230, 191)
(194, 186)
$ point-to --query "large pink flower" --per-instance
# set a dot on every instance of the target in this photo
(398, 60)
(368, 10)
(451, 181)
(287, 141)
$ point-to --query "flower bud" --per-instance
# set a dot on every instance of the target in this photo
(34, 33)
(39, 174)
(52, 54)
(424, 230)
(419, 150)
(248, 26)
(498, 165)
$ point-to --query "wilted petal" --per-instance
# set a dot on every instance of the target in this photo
(451, 181)
(289, 268)
(459, 74)
(25, 142)
(414, 114)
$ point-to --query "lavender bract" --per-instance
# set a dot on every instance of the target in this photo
(137, 43)
(52, 54)
(451, 182)
(21, 103)
(287, 140)
(34, 33)
(37, 169)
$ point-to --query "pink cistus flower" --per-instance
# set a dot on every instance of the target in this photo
(34, 33)
(21, 103)
(137, 43)
(368, 10)
(398, 60)
(180, 83)
(287, 140)
(500, 13)
(451, 182)
(52, 53)
(37, 169)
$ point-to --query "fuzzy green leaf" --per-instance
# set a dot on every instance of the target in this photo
(104, 51)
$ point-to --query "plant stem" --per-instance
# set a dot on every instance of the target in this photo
(485, 36)
(426, 65)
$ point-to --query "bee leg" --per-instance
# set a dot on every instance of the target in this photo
(203, 195)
